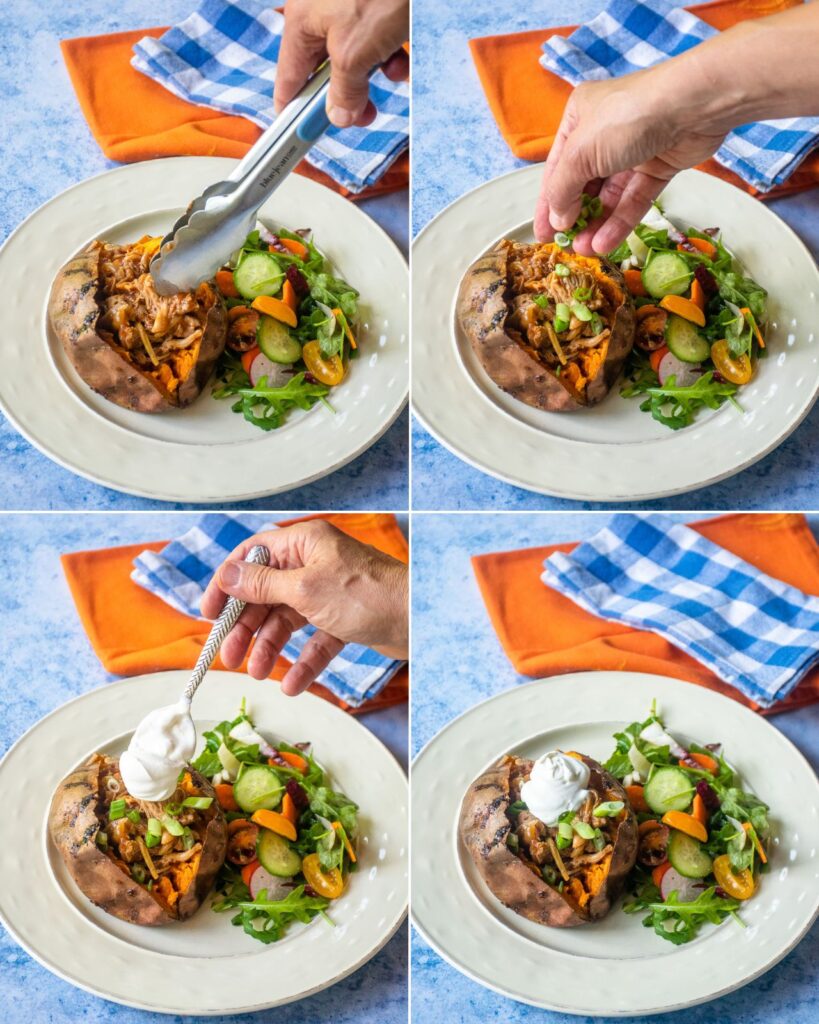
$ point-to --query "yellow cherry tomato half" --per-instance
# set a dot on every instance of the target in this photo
(739, 885)
(736, 369)
(329, 884)
(328, 371)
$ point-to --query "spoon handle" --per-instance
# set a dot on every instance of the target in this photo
(259, 555)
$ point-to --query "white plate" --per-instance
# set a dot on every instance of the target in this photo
(205, 965)
(616, 967)
(611, 452)
(204, 453)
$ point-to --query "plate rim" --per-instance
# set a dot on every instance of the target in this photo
(624, 676)
(45, 962)
(575, 494)
(165, 496)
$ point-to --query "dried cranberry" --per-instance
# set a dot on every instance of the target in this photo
(310, 379)
(719, 378)
(275, 243)
(297, 794)
(310, 891)
(708, 796)
(298, 280)
(719, 891)
(707, 281)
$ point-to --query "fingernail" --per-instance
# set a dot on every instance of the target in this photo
(231, 574)
(341, 117)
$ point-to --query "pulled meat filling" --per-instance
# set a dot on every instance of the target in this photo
(159, 334)
(573, 348)
(581, 867)
(168, 868)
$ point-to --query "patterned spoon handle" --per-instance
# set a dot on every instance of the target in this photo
(259, 555)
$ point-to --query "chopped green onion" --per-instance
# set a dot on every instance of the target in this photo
(187, 839)
(138, 873)
(116, 810)
(150, 884)
(562, 270)
(581, 223)
(599, 840)
(198, 803)
(582, 294)
(581, 311)
(173, 809)
(609, 809)
(134, 816)
(594, 207)
(563, 316)
(541, 300)
(583, 830)
(562, 240)
(565, 829)
(562, 842)
(517, 807)
(549, 874)
(596, 323)
(102, 840)
(513, 842)
(154, 827)
(151, 840)
(172, 826)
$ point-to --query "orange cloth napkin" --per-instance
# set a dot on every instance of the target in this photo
(544, 633)
(134, 118)
(134, 632)
(527, 101)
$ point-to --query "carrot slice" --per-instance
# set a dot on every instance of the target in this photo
(755, 839)
(338, 313)
(289, 809)
(347, 845)
(698, 810)
(247, 872)
(294, 760)
(297, 248)
(685, 308)
(686, 823)
(248, 357)
(224, 794)
(276, 308)
(701, 245)
(224, 282)
(697, 294)
(645, 311)
(659, 871)
(654, 361)
(289, 296)
(634, 282)
(276, 823)
(636, 798)
(708, 764)
(750, 316)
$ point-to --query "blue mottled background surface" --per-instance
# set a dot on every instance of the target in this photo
(46, 660)
(456, 147)
(457, 661)
(47, 147)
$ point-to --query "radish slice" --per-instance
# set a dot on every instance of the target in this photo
(687, 889)
(278, 374)
(685, 374)
(277, 888)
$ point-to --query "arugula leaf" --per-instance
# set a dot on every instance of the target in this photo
(619, 764)
(673, 406)
(335, 806)
(679, 922)
(266, 920)
(654, 238)
(263, 406)
(208, 763)
(622, 252)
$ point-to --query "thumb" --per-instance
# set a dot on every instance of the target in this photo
(349, 94)
(260, 584)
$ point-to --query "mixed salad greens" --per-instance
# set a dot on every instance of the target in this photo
(291, 842)
(291, 332)
(702, 839)
(700, 320)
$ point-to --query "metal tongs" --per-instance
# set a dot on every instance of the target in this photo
(217, 223)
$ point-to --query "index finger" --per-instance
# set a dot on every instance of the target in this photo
(213, 600)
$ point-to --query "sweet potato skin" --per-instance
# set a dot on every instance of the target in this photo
(73, 825)
(484, 827)
(481, 312)
(73, 312)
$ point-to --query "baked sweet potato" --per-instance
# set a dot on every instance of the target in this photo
(110, 859)
(517, 855)
(143, 351)
(551, 328)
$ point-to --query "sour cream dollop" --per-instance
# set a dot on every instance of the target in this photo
(557, 784)
(164, 742)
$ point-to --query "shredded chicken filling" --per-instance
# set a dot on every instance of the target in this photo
(581, 868)
(159, 334)
(574, 347)
(169, 867)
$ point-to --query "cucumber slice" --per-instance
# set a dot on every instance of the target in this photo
(276, 341)
(688, 856)
(258, 273)
(276, 855)
(685, 341)
(668, 789)
(257, 788)
(666, 273)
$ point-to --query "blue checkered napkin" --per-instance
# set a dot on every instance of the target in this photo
(630, 35)
(179, 573)
(224, 56)
(755, 632)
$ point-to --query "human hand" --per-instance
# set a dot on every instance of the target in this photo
(622, 139)
(349, 591)
(357, 35)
